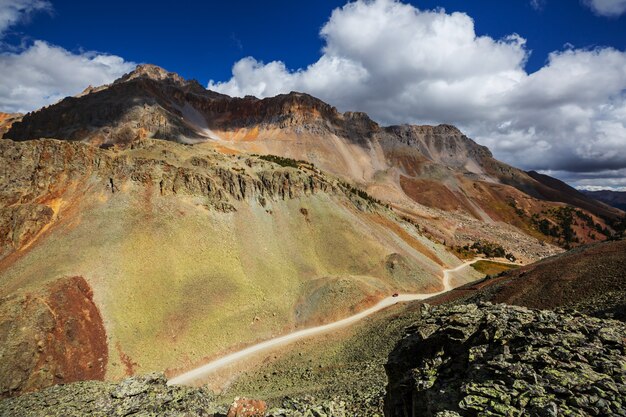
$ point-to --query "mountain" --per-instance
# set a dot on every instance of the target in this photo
(616, 199)
(172, 244)
(7, 120)
(185, 224)
(424, 171)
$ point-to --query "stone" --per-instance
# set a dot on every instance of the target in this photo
(244, 407)
(499, 360)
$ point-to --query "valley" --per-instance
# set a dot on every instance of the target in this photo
(269, 248)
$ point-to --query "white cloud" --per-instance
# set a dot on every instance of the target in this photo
(14, 11)
(610, 8)
(600, 188)
(401, 64)
(42, 74)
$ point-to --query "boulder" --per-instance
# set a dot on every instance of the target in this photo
(499, 360)
(244, 407)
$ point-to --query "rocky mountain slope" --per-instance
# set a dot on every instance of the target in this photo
(616, 199)
(188, 224)
(174, 244)
(407, 166)
(591, 279)
(500, 360)
(455, 361)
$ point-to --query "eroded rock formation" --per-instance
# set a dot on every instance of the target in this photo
(503, 360)
(51, 336)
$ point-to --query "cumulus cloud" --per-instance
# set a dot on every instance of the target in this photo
(43, 74)
(40, 73)
(599, 180)
(14, 11)
(405, 65)
(609, 8)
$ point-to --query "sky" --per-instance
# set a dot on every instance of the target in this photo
(542, 83)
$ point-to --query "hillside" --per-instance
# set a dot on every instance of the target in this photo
(189, 224)
(174, 244)
(591, 279)
(427, 172)
(350, 364)
(616, 199)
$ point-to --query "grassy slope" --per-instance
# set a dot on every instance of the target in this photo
(347, 364)
(492, 267)
(177, 283)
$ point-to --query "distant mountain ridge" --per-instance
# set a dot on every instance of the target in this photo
(616, 199)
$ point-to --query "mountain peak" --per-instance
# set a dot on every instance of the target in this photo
(152, 72)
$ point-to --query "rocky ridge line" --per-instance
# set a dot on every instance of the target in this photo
(36, 172)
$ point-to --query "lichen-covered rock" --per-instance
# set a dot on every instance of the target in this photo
(138, 396)
(498, 360)
(309, 407)
(244, 407)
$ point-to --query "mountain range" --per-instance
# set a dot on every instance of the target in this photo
(616, 199)
(184, 224)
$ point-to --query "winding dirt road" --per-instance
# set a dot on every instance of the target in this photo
(204, 370)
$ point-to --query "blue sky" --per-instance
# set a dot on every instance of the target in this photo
(202, 39)
(542, 83)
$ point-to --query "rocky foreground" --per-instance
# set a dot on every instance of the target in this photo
(149, 395)
(499, 360)
(464, 360)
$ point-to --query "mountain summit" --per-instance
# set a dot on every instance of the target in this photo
(436, 166)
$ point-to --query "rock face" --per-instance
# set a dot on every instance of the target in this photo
(508, 361)
(52, 336)
(146, 396)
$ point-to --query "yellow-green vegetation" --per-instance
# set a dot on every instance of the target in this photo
(178, 281)
(492, 268)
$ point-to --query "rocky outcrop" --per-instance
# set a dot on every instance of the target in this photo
(502, 360)
(37, 168)
(36, 174)
(7, 120)
(52, 336)
(150, 395)
(147, 395)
